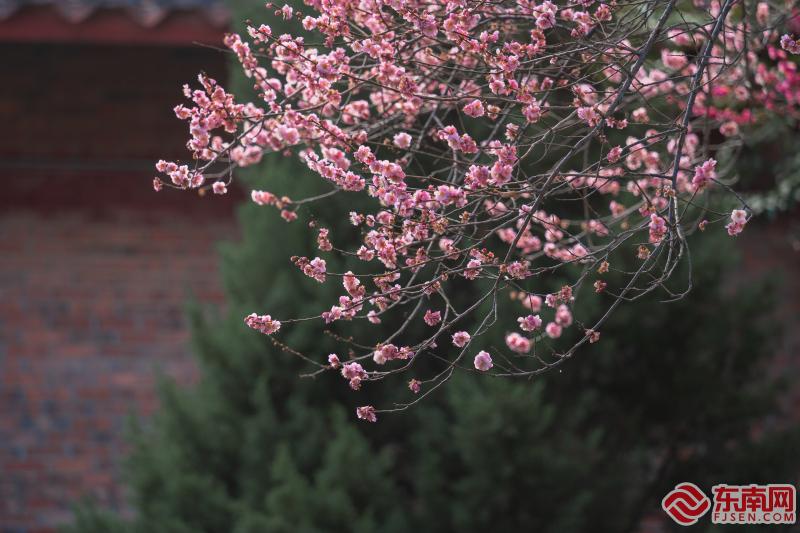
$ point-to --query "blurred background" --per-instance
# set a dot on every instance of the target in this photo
(132, 397)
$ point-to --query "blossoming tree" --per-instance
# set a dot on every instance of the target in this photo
(505, 144)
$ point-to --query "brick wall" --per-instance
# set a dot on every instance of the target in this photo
(91, 310)
(95, 268)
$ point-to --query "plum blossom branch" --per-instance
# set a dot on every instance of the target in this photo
(515, 153)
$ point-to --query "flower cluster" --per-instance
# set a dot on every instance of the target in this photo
(509, 146)
(738, 220)
(264, 323)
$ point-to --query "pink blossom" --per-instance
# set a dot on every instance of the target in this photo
(356, 219)
(449, 195)
(658, 228)
(518, 269)
(762, 13)
(518, 343)
(461, 338)
(614, 154)
(551, 300)
(640, 115)
(366, 412)
(381, 356)
(473, 269)
(463, 143)
(352, 284)
(739, 216)
(432, 317)
(545, 15)
(389, 352)
(402, 140)
(512, 130)
(316, 268)
(219, 187)
(600, 286)
(553, 330)
(354, 373)
(333, 361)
(589, 115)
(563, 316)
(532, 302)
(483, 361)
(790, 44)
(737, 223)
(353, 370)
(673, 59)
(323, 243)
(263, 323)
(263, 197)
(474, 108)
(729, 129)
(427, 25)
(704, 174)
(529, 323)
(532, 111)
(414, 386)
